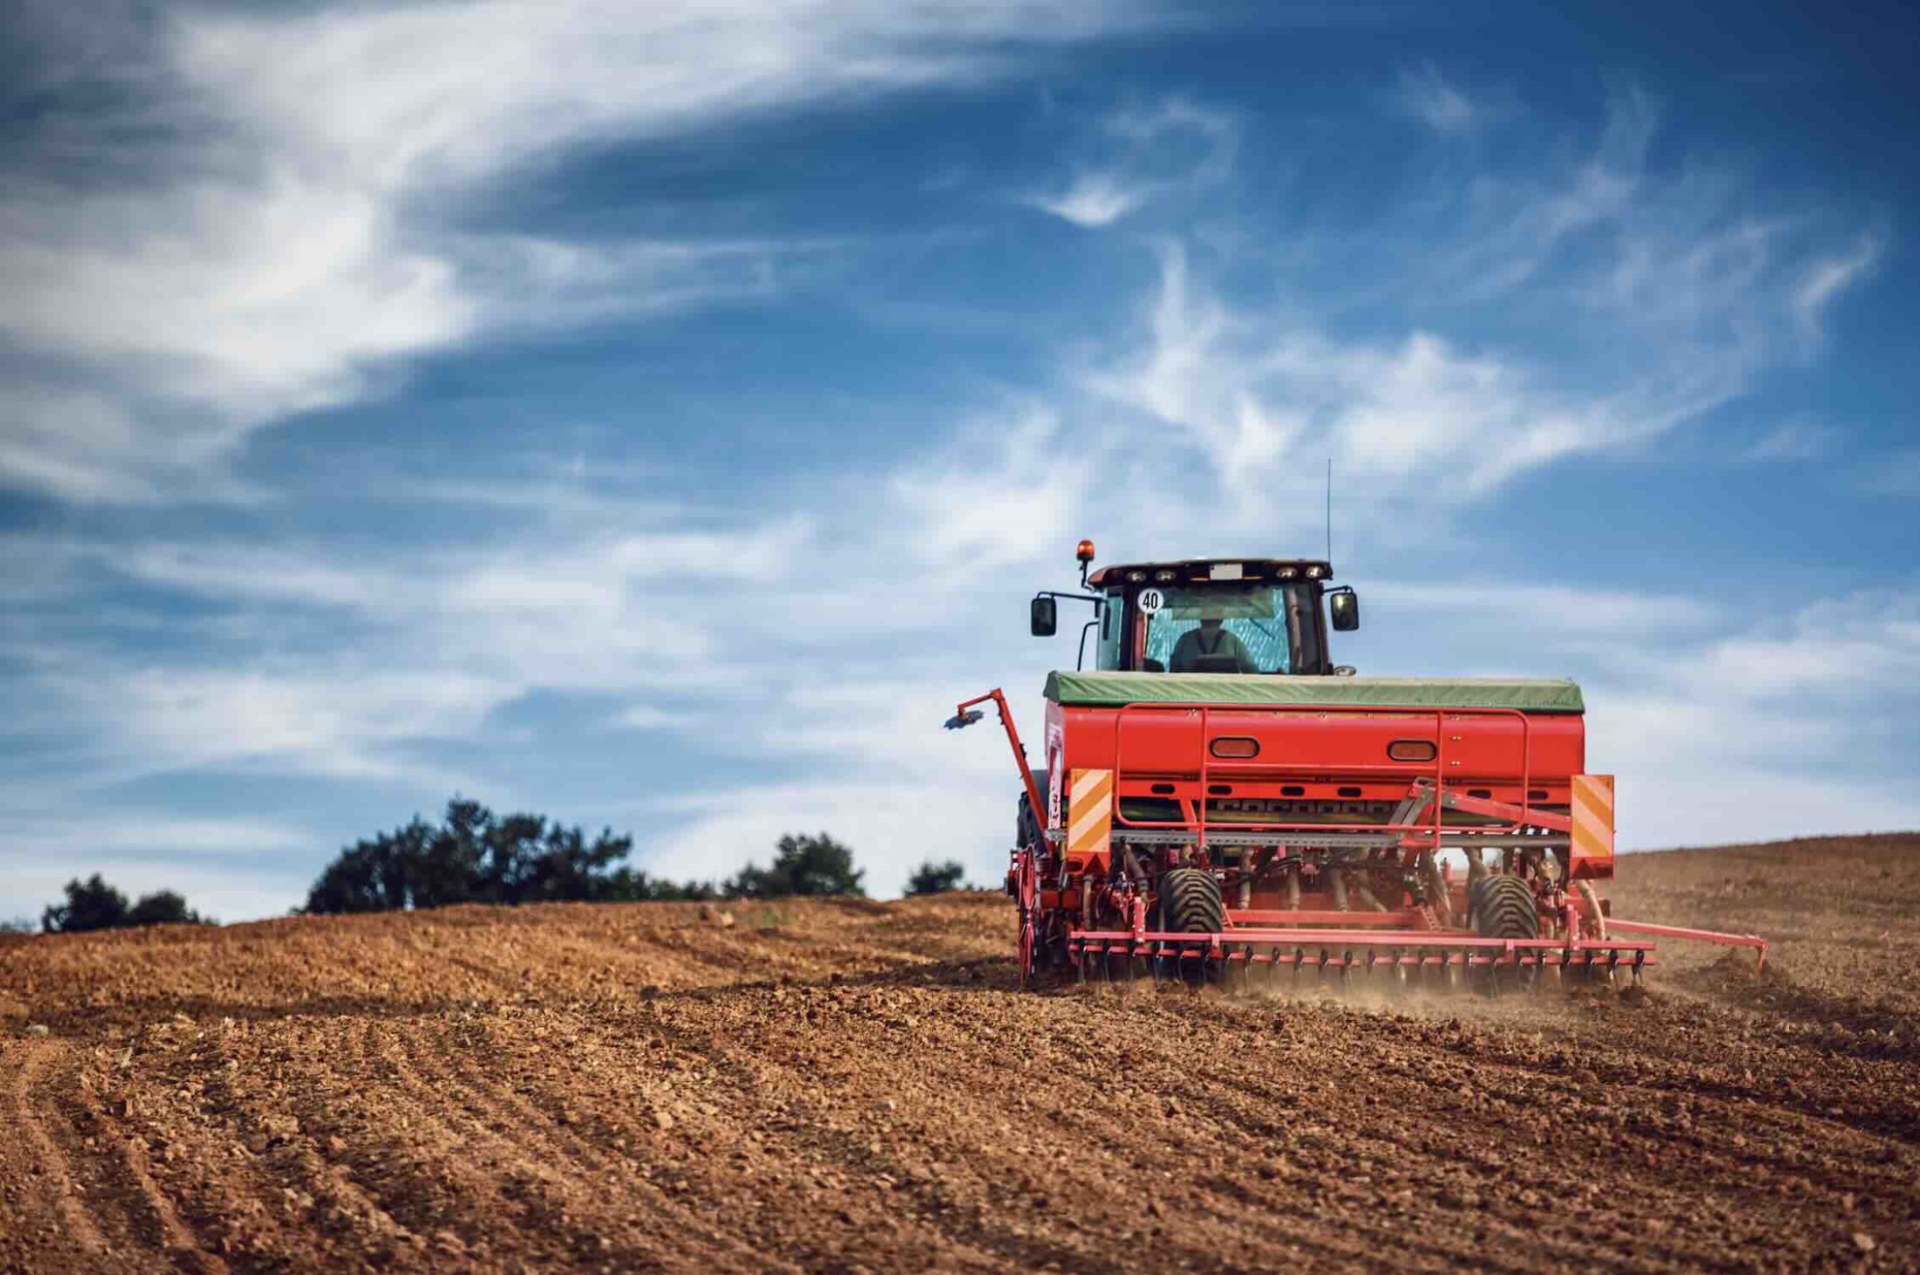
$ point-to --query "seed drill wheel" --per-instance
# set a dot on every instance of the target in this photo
(1190, 903)
(1503, 908)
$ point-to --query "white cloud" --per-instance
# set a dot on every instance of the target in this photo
(224, 866)
(1172, 146)
(987, 515)
(149, 833)
(286, 245)
(1548, 608)
(890, 828)
(649, 717)
(1095, 199)
(1430, 98)
(1793, 440)
(1826, 280)
(1259, 393)
(351, 720)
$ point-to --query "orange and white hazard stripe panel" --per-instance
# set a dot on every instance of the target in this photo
(1089, 815)
(1592, 838)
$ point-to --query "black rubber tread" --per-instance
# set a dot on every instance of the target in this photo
(1475, 890)
(1190, 902)
(1504, 909)
(1026, 833)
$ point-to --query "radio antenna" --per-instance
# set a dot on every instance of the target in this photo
(1329, 513)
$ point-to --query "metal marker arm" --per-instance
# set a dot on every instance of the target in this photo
(1038, 806)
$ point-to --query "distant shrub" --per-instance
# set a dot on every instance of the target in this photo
(937, 878)
(803, 867)
(163, 907)
(94, 905)
(475, 856)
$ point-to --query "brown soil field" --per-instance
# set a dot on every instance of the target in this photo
(852, 1086)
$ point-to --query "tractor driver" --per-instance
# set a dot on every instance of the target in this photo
(1208, 648)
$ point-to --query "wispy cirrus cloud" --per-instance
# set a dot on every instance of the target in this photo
(279, 233)
(1174, 145)
(1825, 280)
(1797, 439)
(1691, 297)
(1429, 97)
(1096, 199)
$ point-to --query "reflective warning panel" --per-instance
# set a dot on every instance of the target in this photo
(1089, 817)
(1592, 827)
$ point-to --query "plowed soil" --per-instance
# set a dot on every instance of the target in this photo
(848, 1086)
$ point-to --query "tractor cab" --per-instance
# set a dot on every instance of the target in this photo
(1251, 616)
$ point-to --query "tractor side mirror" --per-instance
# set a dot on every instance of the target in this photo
(1043, 619)
(1345, 606)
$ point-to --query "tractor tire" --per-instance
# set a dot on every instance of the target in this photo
(1504, 909)
(1026, 834)
(1190, 903)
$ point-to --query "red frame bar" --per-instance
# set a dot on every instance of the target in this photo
(1439, 715)
(1703, 936)
(1237, 917)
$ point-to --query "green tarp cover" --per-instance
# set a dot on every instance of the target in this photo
(1110, 690)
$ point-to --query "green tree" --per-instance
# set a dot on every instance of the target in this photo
(474, 856)
(94, 905)
(937, 878)
(163, 907)
(803, 866)
(91, 905)
(629, 885)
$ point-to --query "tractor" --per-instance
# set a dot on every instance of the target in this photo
(1222, 802)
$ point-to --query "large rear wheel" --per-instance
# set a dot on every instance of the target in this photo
(1190, 903)
(1503, 908)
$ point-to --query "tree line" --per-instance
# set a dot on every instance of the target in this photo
(94, 905)
(475, 856)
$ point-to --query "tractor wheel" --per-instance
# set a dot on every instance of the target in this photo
(1504, 909)
(1190, 903)
(1026, 835)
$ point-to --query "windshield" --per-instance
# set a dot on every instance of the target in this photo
(1227, 628)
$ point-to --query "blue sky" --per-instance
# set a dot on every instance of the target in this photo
(658, 417)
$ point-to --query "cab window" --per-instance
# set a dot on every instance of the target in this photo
(1113, 621)
(1225, 629)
